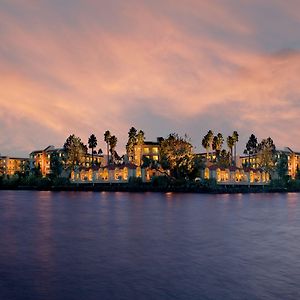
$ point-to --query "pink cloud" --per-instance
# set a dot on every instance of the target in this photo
(176, 61)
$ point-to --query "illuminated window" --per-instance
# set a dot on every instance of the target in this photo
(155, 150)
(138, 172)
(105, 174)
(206, 173)
(218, 175)
(146, 150)
(117, 174)
(125, 173)
(155, 157)
(237, 175)
(251, 176)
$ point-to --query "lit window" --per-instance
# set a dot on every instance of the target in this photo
(155, 157)
(125, 173)
(155, 150)
(146, 150)
(138, 172)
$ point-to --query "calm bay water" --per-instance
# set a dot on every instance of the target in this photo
(149, 246)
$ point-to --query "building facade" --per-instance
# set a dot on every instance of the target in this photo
(13, 165)
(41, 159)
(293, 160)
(149, 150)
(113, 174)
(236, 176)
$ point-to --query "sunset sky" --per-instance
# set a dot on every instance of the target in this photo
(186, 66)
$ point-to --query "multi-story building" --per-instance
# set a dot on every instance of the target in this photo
(148, 149)
(292, 156)
(293, 160)
(12, 165)
(251, 161)
(41, 159)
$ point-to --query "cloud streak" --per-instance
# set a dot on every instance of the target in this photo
(88, 66)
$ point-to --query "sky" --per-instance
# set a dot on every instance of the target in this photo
(163, 66)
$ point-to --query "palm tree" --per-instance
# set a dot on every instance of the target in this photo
(207, 142)
(206, 145)
(92, 145)
(215, 144)
(220, 141)
(230, 144)
(235, 137)
(112, 144)
(107, 137)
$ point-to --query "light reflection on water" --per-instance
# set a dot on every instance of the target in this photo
(149, 246)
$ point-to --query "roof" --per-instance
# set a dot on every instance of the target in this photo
(47, 149)
(9, 157)
(150, 143)
(122, 166)
(233, 169)
(20, 158)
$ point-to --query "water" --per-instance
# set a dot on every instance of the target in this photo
(149, 246)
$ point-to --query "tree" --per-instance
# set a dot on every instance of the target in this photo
(75, 150)
(224, 159)
(235, 137)
(132, 139)
(207, 142)
(251, 147)
(112, 145)
(282, 166)
(176, 155)
(56, 165)
(107, 137)
(266, 154)
(230, 144)
(205, 145)
(92, 145)
(217, 144)
(140, 139)
(36, 171)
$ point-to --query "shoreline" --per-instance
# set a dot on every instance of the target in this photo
(150, 188)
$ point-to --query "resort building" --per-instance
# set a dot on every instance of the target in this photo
(41, 159)
(234, 175)
(292, 156)
(12, 165)
(293, 160)
(108, 174)
(113, 174)
(148, 149)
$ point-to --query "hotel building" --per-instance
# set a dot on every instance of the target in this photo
(148, 149)
(292, 156)
(12, 165)
(41, 159)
